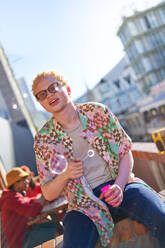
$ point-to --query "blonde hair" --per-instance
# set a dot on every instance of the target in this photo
(45, 74)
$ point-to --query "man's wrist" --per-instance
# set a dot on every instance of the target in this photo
(64, 176)
(120, 183)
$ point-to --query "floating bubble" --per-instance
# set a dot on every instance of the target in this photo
(59, 164)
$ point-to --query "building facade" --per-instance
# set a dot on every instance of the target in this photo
(13, 105)
(143, 38)
(117, 89)
(16, 126)
(26, 95)
(39, 117)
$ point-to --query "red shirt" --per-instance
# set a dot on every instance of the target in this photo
(33, 192)
(15, 211)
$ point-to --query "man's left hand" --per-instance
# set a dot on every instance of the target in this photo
(113, 196)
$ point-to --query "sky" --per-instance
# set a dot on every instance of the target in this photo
(77, 38)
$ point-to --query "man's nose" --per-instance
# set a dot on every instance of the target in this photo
(49, 93)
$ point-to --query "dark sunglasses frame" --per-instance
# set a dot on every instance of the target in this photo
(23, 179)
(53, 88)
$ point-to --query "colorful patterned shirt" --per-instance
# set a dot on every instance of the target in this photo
(104, 133)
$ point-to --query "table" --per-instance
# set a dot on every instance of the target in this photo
(52, 210)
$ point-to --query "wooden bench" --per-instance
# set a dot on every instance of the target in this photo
(127, 233)
(53, 243)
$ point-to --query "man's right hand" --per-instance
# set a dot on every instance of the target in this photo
(74, 170)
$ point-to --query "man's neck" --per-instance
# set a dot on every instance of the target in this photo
(68, 117)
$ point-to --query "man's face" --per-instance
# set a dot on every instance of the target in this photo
(51, 94)
(22, 184)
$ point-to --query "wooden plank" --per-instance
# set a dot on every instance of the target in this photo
(49, 244)
(124, 232)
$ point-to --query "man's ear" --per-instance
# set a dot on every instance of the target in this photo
(69, 90)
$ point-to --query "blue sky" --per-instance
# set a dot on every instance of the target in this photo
(74, 37)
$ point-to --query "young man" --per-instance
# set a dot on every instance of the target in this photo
(74, 131)
(16, 209)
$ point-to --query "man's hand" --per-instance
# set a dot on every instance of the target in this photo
(113, 196)
(74, 170)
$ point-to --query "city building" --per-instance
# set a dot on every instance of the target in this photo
(16, 124)
(13, 102)
(143, 38)
(39, 117)
(26, 95)
(117, 89)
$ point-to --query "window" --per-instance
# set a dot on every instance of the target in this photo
(159, 36)
(138, 68)
(152, 20)
(146, 116)
(133, 28)
(162, 73)
(123, 38)
(151, 41)
(135, 69)
(129, 55)
(161, 13)
(117, 83)
(125, 35)
(162, 35)
(128, 79)
(139, 46)
(152, 79)
(132, 51)
(147, 64)
(160, 60)
(144, 22)
(154, 112)
(162, 109)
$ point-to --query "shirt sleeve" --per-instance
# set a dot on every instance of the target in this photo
(24, 206)
(42, 162)
(120, 137)
(44, 173)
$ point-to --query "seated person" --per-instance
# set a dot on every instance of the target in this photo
(16, 210)
(34, 187)
(75, 132)
(34, 190)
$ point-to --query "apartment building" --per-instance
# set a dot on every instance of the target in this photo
(143, 38)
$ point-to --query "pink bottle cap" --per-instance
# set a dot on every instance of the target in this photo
(105, 188)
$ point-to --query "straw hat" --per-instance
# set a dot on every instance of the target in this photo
(27, 169)
(15, 175)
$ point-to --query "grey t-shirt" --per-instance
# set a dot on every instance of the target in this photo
(95, 168)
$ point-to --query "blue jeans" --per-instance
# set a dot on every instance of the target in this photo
(79, 231)
(39, 234)
(142, 205)
(139, 203)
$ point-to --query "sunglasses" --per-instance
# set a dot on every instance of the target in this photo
(24, 179)
(53, 88)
